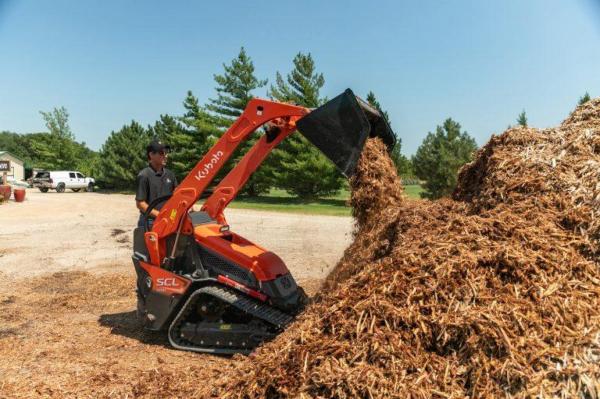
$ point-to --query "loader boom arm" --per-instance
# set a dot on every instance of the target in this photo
(229, 187)
(172, 216)
(338, 128)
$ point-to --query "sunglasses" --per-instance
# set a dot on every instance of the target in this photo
(162, 153)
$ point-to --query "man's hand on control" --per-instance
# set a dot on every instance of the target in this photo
(143, 206)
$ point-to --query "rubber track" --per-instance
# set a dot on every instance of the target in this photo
(246, 304)
(249, 305)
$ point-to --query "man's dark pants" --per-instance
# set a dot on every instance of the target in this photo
(141, 222)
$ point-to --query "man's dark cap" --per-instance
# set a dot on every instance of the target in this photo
(157, 146)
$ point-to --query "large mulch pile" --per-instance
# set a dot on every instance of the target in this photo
(493, 293)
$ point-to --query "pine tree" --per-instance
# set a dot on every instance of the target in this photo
(440, 156)
(302, 85)
(190, 136)
(188, 144)
(122, 156)
(299, 167)
(522, 119)
(181, 157)
(234, 90)
(584, 99)
(402, 163)
(200, 125)
(372, 100)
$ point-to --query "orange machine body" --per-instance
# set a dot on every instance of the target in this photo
(173, 216)
(213, 290)
(265, 265)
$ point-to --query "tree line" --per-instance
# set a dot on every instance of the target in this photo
(295, 165)
(55, 149)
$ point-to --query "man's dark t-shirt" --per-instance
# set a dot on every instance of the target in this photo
(152, 184)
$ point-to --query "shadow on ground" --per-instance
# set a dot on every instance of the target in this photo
(128, 325)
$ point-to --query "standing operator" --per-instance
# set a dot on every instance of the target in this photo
(154, 181)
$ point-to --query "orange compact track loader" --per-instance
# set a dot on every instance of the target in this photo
(211, 289)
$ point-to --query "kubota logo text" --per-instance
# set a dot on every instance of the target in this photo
(209, 165)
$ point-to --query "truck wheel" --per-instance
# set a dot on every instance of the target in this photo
(75, 190)
(44, 189)
(90, 188)
(60, 188)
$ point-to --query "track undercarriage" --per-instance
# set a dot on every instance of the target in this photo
(217, 319)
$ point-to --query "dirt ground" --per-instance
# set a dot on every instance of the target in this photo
(67, 320)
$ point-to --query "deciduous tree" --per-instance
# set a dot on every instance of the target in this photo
(57, 150)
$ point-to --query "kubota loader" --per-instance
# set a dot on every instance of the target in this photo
(211, 289)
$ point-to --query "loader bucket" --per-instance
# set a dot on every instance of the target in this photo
(340, 127)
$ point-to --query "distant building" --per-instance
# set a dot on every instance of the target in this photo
(16, 165)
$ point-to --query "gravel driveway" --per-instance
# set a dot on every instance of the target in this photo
(52, 232)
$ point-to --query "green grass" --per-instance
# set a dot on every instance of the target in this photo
(334, 207)
(413, 191)
(281, 201)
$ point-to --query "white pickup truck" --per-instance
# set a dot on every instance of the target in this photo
(61, 180)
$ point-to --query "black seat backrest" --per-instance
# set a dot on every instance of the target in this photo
(139, 244)
(201, 217)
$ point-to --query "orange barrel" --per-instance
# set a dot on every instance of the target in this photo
(19, 194)
(5, 191)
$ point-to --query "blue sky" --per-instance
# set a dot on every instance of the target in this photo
(479, 62)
